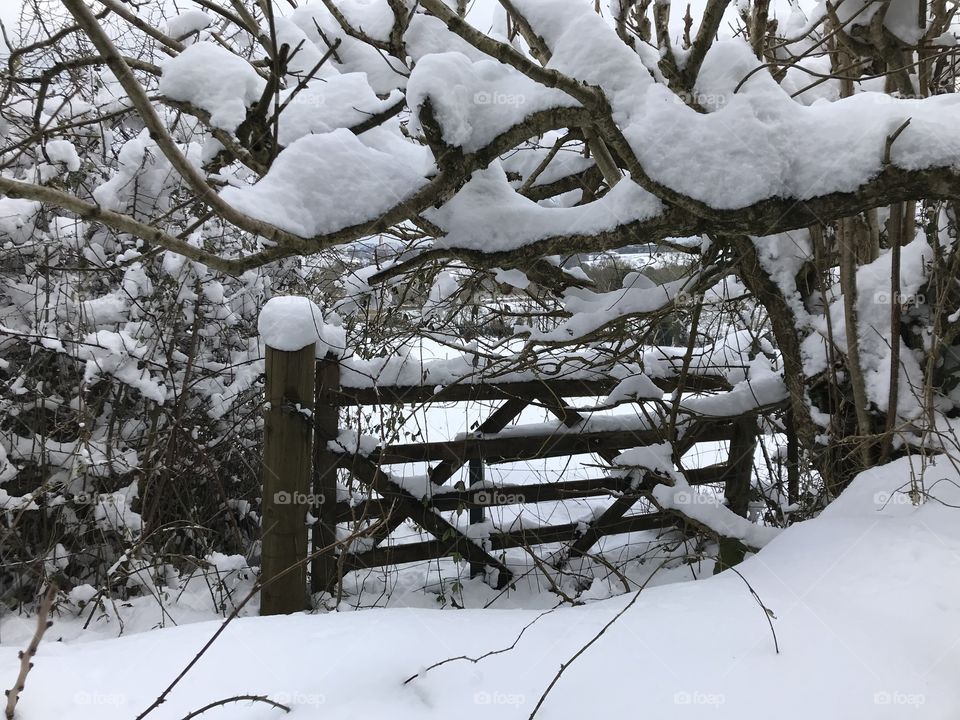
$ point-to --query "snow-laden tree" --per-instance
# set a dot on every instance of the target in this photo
(163, 173)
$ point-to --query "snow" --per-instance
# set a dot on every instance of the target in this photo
(635, 387)
(341, 100)
(17, 219)
(63, 151)
(214, 79)
(474, 101)
(142, 178)
(467, 222)
(657, 458)
(568, 161)
(118, 354)
(593, 423)
(862, 598)
(187, 23)
(837, 589)
(442, 293)
(591, 310)
(323, 183)
(759, 143)
(711, 512)
(384, 73)
(781, 145)
(92, 456)
(782, 256)
(874, 298)
(513, 277)
(350, 441)
(408, 368)
(7, 469)
(291, 322)
(899, 17)
(112, 512)
(764, 387)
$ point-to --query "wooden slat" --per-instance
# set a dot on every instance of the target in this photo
(463, 392)
(702, 431)
(497, 421)
(512, 448)
(433, 549)
(369, 473)
(542, 492)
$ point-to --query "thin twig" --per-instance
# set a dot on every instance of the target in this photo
(237, 698)
(26, 656)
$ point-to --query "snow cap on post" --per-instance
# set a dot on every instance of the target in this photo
(292, 322)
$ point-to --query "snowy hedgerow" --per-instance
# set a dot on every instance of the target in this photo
(424, 173)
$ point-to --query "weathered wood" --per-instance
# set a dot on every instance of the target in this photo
(564, 532)
(464, 392)
(531, 494)
(743, 445)
(396, 504)
(594, 531)
(432, 549)
(477, 510)
(288, 439)
(702, 431)
(498, 420)
(512, 448)
(586, 538)
(369, 473)
(442, 472)
(326, 427)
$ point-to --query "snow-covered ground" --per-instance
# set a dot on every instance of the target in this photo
(864, 602)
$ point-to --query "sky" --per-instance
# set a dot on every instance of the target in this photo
(481, 10)
(9, 11)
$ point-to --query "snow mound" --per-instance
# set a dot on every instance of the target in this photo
(863, 602)
(519, 221)
(291, 322)
(475, 101)
(323, 183)
(187, 23)
(214, 79)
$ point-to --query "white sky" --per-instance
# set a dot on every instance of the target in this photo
(9, 11)
(481, 10)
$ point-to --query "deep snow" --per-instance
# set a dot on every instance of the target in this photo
(864, 603)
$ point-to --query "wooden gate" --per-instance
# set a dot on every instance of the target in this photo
(299, 406)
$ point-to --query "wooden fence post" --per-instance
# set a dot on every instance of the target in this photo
(287, 445)
(736, 490)
(475, 476)
(326, 414)
(477, 513)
